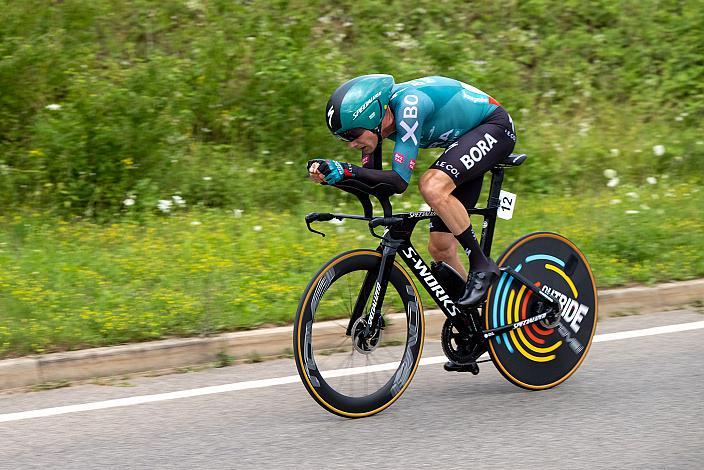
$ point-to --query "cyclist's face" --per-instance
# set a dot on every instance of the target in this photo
(366, 142)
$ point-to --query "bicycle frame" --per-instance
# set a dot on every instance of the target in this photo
(397, 239)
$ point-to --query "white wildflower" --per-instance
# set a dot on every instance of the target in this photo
(584, 128)
(207, 178)
(613, 202)
(257, 228)
(164, 205)
(659, 150)
(615, 152)
(645, 207)
(128, 202)
(632, 195)
(609, 173)
(651, 180)
(53, 107)
(407, 42)
(424, 207)
(613, 182)
(195, 222)
(288, 162)
(178, 200)
(406, 205)
(337, 221)
(237, 212)
(632, 212)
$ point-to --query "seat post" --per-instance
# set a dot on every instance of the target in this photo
(497, 179)
(492, 204)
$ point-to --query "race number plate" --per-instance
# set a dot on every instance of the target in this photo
(507, 201)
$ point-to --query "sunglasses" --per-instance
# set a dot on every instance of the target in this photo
(350, 135)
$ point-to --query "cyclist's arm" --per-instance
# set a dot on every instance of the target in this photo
(409, 114)
(371, 177)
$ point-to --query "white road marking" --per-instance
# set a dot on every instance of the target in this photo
(233, 387)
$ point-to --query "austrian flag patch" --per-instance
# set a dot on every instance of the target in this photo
(398, 158)
(412, 164)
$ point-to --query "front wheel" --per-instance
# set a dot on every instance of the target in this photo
(541, 355)
(346, 372)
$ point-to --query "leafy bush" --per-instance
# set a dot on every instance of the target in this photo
(102, 101)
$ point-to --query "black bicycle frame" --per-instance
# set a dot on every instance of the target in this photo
(397, 238)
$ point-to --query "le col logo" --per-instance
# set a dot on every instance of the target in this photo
(455, 172)
(366, 103)
(478, 151)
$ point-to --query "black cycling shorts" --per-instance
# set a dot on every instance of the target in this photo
(472, 155)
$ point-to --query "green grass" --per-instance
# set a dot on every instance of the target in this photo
(103, 101)
(69, 285)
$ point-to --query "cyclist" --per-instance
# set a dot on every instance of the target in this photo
(472, 127)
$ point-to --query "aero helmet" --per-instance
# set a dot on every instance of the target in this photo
(359, 103)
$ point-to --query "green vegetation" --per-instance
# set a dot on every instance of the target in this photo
(72, 285)
(209, 109)
(103, 101)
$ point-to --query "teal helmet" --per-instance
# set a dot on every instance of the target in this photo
(359, 103)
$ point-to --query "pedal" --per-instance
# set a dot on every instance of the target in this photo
(472, 367)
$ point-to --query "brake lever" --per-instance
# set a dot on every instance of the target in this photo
(317, 217)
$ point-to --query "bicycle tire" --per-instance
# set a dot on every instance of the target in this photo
(401, 291)
(536, 357)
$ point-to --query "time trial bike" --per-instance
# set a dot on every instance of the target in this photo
(359, 329)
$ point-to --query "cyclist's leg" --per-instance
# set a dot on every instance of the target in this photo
(442, 244)
(467, 159)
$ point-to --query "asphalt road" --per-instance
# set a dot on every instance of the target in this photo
(634, 403)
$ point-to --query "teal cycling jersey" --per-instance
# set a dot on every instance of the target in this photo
(433, 112)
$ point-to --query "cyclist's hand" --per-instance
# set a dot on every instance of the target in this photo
(313, 171)
(334, 171)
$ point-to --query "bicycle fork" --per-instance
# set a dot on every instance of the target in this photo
(378, 286)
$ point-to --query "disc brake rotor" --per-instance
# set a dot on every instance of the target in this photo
(361, 343)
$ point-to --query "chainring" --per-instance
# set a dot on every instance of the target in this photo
(458, 347)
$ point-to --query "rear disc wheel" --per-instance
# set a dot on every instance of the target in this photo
(543, 354)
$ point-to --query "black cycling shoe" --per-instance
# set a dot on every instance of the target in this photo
(477, 286)
(454, 367)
